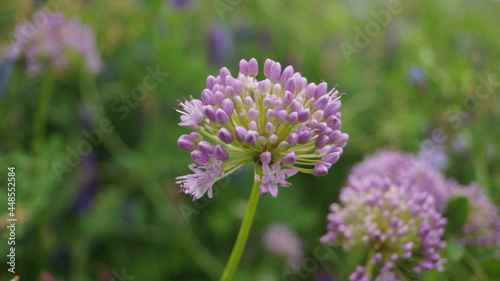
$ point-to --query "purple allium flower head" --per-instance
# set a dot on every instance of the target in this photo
(405, 169)
(397, 222)
(281, 123)
(359, 275)
(460, 144)
(280, 240)
(483, 222)
(55, 39)
(387, 276)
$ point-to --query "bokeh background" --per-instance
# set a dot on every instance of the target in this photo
(115, 212)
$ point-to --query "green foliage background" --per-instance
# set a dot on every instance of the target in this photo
(136, 220)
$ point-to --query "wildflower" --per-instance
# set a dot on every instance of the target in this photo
(280, 240)
(416, 76)
(274, 176)
(281, 123)
(405, 169)
(482, 227)
(397, 223)
(54, 39)
(221, 44)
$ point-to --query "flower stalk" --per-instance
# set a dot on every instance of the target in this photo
(41, 111)
(246, 225)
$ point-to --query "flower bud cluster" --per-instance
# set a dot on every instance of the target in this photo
(282, 123)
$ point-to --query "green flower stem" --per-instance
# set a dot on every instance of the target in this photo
(239, 246)
(475, 267)
(369, 269)
(41, 111)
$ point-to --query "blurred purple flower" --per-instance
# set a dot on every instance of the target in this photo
(405, 169)
(359, 275)
(397, 222)
(46, 276)
(323, 275)
(5, 73)
(281, 240)
(179, 4)
(416, 77)
(89, 184)
(460, 145)
(483, 223)
(221, 44)
(55, 39)
(250, 35)
(280, 123)
(387, 276)
(433, 154)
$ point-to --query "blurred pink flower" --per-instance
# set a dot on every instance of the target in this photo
(46, 276)
(282, 241)
(54, 38)
(483, 223)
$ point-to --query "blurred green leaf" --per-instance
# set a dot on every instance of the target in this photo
(457, 211)
(455, 250)
(492, 267)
